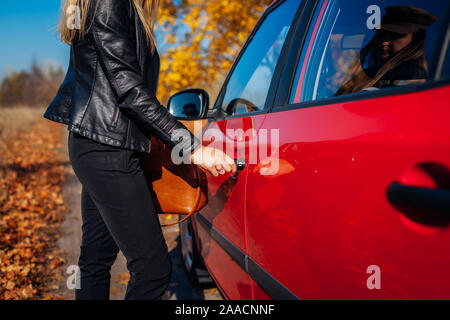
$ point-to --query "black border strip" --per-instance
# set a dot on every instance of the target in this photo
(274, 288)
(271, 285)
(293, 53)
(234, 252)
(302, 10)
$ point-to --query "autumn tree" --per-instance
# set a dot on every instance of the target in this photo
(202, 39)
(198, 40)
(34, 87)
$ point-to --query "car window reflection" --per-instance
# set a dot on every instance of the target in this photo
(395, 55)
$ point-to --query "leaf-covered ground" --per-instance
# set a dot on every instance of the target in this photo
(31, 176)
(40, 223)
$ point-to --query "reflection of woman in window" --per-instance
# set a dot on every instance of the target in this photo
(395, 55)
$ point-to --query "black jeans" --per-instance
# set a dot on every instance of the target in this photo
(118, 213)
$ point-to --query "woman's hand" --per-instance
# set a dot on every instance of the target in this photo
(214, 160)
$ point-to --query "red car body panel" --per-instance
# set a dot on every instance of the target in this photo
(324, 219)
(226, 201)
(321, 222)
(233, 282)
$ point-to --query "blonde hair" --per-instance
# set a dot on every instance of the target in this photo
(146, 9)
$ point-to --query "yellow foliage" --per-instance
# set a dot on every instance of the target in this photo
(215, 31)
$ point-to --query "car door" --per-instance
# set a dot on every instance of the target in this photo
(357, 207)
(239, 112)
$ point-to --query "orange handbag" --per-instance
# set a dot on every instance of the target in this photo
(177, 189)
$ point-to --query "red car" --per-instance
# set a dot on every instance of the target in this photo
(348, 193)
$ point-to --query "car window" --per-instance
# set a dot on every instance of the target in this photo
(248, 86)
(446, 68)
(367, 45)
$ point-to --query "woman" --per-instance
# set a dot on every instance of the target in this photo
(395, 55)
(108, 102)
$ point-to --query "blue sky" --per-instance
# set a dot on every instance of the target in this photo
(27, 31)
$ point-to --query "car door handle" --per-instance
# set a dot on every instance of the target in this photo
(240, 165)
(435, 202)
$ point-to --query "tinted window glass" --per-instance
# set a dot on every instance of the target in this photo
(367, 45)
(446, 68)
(249, 84)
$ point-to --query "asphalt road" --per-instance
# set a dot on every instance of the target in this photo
(70, 239)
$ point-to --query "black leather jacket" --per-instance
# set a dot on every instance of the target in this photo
(108, 94)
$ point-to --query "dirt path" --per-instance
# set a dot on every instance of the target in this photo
(70, 240)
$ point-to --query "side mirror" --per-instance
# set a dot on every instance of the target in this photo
(189, 104)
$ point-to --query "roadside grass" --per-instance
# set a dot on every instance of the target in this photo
(17, 118)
